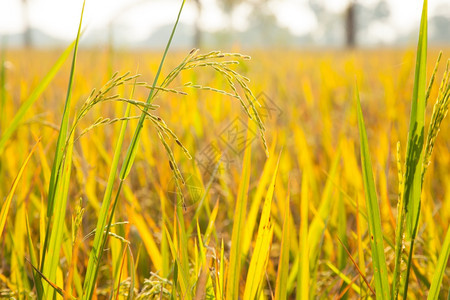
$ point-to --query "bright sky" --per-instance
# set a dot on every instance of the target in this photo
(59, 18)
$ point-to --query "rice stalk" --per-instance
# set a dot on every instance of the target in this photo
(59, 185)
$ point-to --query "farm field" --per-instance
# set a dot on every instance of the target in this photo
(212, 206)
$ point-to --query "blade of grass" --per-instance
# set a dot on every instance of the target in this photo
(183, 251)
(56, 288)
(59, 185)
(251, 218)
(256, 270)
(283, 265)
(220, 275)
(414, 157)
(376, 234)
(6, 205)
(202, 202)
(413, 186)
(55, 242)
(147, 238)
(345, 288)
(234, 268)
(356, 266)
(34, 261)
(347, 280)
(38, 90)
(183, 284)
(95, 253)
(132, 273)
(317, 226)
(58, 159)
(124, 253)
(359, 237)
(440, 268)
(303, 260)
(201, 268)
(211, 222)
(342, 232)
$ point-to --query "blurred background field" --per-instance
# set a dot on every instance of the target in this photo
(280, 24)
(309, 110)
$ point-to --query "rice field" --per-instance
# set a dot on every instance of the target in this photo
(320, 174)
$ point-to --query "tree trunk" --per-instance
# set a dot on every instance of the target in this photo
(27, 34)
(350, 26)
(198, 31)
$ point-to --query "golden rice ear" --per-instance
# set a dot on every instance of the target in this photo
(215, 61)
(440, 111)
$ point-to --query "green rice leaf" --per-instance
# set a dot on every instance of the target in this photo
(376, 233)
(132, 149)
(414, 150)
(415, 144)
(34, 262)
(59, 184)
(38, 90)
(440, 268)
